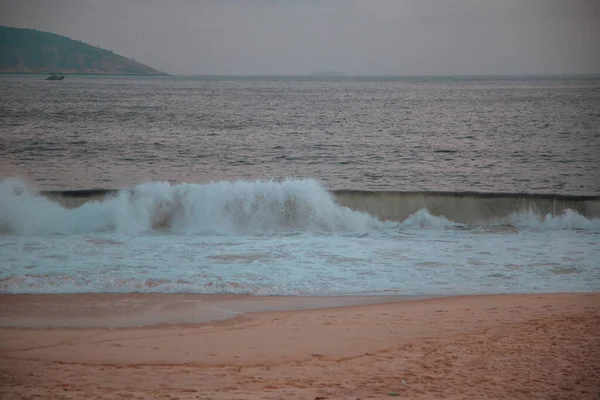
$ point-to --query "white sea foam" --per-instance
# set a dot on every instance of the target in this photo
(569, 219)
(422, 219)
(229, 208)
(225, 208)
(409, 261)
(287, 237)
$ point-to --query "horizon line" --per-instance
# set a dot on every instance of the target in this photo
(313, 75)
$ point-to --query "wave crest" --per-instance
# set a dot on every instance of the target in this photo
(569, 219)
(234, 208)
(226, 208)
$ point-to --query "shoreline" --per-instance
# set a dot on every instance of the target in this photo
(75, 311)
(524, 346)
(138, 310)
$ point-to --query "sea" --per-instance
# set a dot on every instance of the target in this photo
(299, 186)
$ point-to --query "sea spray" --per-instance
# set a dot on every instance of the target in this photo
(223, 208)
(235, 208)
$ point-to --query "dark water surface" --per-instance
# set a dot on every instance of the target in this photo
(485, 134)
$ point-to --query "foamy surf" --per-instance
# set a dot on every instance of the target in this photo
(222, 208)
(234, 208)
(290, 237)
(568, 219)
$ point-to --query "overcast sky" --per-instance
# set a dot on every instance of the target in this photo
(366, 37)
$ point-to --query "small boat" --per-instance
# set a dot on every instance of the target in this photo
(55, 77)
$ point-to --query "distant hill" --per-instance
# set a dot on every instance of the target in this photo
(32, 51)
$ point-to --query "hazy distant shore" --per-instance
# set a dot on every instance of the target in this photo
(78, 74)
(309, 76)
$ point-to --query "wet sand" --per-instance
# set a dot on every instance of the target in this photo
(506, 346)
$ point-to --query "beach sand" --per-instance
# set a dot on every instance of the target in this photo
(497, 347)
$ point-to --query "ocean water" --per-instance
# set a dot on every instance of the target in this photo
(299, 186)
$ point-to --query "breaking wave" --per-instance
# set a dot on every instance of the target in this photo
(251, 208)
(223, 208)
(569, 219)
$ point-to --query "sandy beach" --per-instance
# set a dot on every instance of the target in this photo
(498, 347)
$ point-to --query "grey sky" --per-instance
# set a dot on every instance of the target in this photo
(394, 37)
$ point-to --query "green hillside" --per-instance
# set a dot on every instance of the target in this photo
(32, 51)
